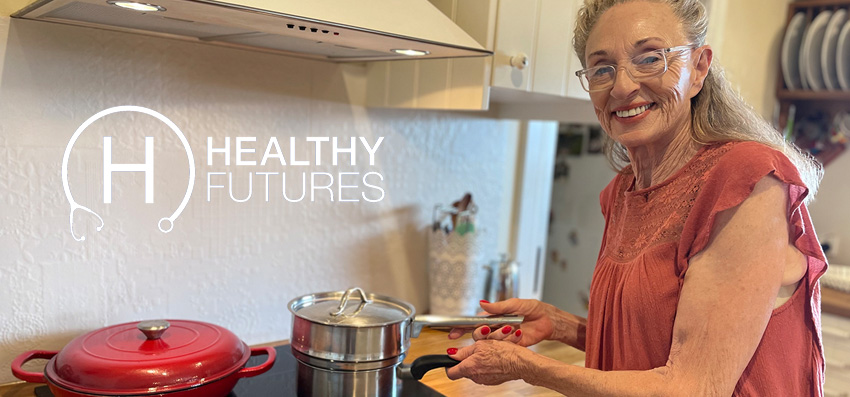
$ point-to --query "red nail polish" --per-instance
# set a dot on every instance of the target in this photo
(451, 351)
(485, 330)
(518, 332)
(507, 329)
(483, 301)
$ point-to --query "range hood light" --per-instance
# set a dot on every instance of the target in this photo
(132, 5)
(410, 53)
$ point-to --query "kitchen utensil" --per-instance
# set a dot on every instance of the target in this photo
(828, 50)
(842, 57)
(149, 358)
(377, 329)
(811, 53)
(791, 51)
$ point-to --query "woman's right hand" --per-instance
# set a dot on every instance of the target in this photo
(537, 325)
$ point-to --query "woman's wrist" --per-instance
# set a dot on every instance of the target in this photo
(567, 327)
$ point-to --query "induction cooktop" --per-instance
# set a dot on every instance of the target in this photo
(282, 380)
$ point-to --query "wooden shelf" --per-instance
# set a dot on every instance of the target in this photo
(809, 95)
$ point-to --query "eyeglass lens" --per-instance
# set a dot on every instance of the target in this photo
(642, 66)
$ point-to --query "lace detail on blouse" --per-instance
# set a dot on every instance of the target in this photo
(659, 212)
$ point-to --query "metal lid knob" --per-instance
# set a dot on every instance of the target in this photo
(153, 329)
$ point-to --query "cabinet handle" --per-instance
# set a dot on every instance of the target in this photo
(519, 61)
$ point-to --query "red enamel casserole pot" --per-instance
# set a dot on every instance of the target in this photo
(150, 358)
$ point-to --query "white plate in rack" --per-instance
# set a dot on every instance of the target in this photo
(829, 47)
(810, 55)
(842, 57)
(791, 51)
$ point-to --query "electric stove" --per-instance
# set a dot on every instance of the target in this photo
(282, 380)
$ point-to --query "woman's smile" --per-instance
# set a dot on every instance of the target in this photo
(633, 113)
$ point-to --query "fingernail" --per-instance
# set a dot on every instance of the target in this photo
(507, 329)
(485, 330)
(451, 351)
(483, 301)
(518, 332)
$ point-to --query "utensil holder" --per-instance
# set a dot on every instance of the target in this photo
(455, 274)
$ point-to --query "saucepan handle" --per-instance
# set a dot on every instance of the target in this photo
(27, 376)
(435, 321)
(419, 367)
(262, 368)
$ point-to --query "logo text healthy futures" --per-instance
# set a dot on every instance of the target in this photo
(341, 186)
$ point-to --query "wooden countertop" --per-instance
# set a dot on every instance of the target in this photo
(429, 342)
(835, 302)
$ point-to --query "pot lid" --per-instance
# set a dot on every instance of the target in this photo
(351, 308)
(147, 357)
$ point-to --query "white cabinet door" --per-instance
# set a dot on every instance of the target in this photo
(554, 45)
(516, 26)
(537, 149)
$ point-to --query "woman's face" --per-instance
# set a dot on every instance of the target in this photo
(623, 32)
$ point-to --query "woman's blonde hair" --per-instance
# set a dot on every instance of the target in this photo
(718, 113)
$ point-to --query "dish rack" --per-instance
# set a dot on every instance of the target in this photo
(813, 119)
(837, 277)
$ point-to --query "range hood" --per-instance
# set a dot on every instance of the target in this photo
(332, 30)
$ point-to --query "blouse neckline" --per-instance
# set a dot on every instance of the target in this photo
(630, 189)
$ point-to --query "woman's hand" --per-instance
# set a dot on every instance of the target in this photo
(490, 362)
(537, 325)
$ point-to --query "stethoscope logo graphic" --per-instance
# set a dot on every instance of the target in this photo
(169, 221)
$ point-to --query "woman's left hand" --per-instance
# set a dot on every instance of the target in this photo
(490, 362)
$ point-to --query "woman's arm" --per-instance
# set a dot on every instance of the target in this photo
(726, 301)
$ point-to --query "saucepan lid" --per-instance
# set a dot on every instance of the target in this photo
(351, 308)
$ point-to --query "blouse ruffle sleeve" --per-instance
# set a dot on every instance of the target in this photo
(730, 182)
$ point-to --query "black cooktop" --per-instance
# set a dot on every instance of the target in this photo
(282, 380)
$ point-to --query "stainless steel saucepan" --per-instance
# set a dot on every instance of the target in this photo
(357, 348)
(377, 328)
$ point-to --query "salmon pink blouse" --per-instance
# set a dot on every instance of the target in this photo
(651, 234)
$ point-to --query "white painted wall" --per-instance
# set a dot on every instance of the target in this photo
(830, 212)
(233, 264)
(746, 37)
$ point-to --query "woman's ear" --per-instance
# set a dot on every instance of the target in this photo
(702, 63)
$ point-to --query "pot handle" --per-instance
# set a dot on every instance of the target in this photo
(423, 364)
(262, 368)
(363, 302)
(27, 376)
(430, 320)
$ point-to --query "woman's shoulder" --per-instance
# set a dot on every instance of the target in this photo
(742, 157)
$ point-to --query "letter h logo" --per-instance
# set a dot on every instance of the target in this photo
(109, 167)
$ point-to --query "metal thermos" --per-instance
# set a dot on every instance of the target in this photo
(501, 279)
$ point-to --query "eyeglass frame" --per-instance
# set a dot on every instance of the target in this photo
(662, 51)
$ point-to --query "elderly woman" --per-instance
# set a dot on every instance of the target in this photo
(706, 281)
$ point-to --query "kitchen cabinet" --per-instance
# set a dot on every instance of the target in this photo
(532, 60)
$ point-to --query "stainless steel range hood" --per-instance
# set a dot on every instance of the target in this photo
(332, 30)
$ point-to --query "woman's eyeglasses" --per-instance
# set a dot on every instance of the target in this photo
(641, 67)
